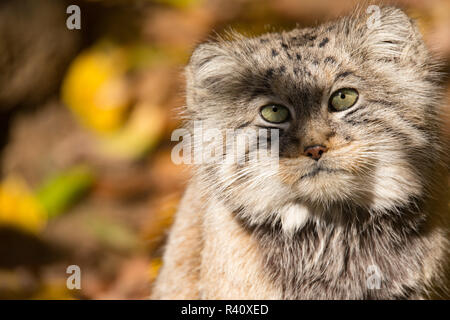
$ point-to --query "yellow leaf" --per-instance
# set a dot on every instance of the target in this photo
(95, 88)
(19, 207)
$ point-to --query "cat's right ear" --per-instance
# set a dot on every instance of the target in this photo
(210, 65)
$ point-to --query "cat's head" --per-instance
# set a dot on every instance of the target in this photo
(355, 103)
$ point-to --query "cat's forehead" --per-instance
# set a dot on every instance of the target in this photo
(294, 45)
(293, 63)
(299, 52)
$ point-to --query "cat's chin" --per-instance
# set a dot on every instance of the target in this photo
(326, 186)
(321, 171)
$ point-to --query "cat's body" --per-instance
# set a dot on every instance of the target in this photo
(362, 219)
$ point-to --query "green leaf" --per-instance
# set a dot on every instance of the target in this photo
(62, 190)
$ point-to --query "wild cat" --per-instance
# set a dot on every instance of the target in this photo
(355, 208)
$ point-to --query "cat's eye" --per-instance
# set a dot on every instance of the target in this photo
(275, 113)
(343, 99)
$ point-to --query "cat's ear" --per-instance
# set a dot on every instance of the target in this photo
(390, 33)
(210, 64)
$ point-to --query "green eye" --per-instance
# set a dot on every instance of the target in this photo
(343, 99)
(275, 113)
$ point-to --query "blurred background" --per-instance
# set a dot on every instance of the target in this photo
(85, 122)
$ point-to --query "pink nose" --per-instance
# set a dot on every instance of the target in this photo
(315, 152)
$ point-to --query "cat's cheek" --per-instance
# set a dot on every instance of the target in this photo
(259, 190)
(393, 186)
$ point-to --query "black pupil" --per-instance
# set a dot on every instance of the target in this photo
(342, 95)
(274, 109)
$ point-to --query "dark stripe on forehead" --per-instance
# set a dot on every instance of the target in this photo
(343, 75)
(260, 91)
(323, 42)
(303, 40)
(329, 60)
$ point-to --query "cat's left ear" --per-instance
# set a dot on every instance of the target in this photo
(390, 33)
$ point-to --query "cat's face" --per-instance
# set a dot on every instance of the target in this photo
(355, 108)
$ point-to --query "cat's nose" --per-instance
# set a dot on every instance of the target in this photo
(315, 152)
